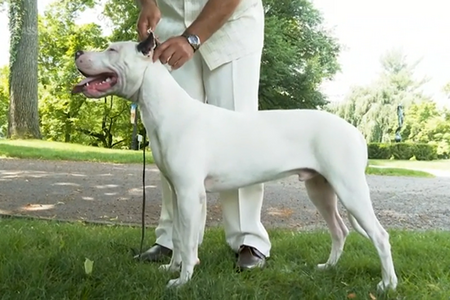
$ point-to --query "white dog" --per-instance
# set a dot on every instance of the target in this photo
(201, 148)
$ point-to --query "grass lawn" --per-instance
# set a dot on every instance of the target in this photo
(443, 165)
(397, 172)
(45, 260)
(36, 149)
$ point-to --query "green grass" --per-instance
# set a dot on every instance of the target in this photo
(443, 165)
(45, 260)
(37, 149)
(397, 172)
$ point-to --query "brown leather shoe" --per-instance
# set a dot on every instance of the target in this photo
(249, 258)
(155, 253)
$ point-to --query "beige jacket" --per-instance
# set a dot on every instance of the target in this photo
(241, 35)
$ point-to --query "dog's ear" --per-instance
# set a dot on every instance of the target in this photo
(147, 45)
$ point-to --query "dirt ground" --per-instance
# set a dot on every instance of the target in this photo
(113, 193)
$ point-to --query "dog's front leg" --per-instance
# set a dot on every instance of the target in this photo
(175, 261)
(188, 224)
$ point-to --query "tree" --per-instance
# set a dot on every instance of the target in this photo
(426, 123)
(59, 39)
(122, 16)
(23, 117)
(373, 108)
(73, 118)
(106, 122)
(298, 55)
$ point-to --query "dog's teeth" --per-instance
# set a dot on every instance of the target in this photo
(87, 84)
(108, 79)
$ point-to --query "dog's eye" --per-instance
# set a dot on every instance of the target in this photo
(112, 49)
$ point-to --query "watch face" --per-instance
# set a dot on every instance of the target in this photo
(194, 40)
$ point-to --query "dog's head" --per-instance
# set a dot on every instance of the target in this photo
(118, 70)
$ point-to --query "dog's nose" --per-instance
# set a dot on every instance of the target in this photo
(78, 54)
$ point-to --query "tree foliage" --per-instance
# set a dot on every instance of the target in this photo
(4, 100)
(427, 123)
(60, 38)
(73, 118)
(298, 55)
(373, 108)
(122, 16)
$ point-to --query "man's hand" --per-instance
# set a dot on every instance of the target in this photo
(175, 51)
(148, 18)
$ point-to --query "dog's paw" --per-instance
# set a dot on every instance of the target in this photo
(325, 266)
(170, 268)
(175, 283)
(382, 287)
(164, 267)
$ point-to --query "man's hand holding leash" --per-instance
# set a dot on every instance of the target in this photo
(177, 50)
(148, 18)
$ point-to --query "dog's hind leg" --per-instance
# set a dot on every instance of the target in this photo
(324, 198)
(356, 225)
(353, 191)
(188, 217)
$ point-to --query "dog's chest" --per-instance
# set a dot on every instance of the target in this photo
(157, 154)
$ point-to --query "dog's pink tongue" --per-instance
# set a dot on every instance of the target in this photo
(78, 88)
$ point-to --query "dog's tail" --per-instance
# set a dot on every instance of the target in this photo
(356, 225)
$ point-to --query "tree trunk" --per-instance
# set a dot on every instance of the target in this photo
(23, 117)
(67, 130)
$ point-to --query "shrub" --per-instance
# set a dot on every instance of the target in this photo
(379, 151)
(426, 151)
(403, 151)
(443, 149)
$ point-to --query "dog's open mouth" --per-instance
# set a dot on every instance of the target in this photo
(96, 83)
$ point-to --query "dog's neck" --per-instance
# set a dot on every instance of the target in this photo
(160, 96)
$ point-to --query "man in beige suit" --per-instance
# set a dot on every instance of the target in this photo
(214, 48)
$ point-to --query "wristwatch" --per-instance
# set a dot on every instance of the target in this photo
(193, 40)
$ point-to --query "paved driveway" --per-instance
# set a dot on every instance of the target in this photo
(113, 192)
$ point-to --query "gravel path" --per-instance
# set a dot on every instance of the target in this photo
(113, 193)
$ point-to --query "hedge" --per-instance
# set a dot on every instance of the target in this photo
(403, 151)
